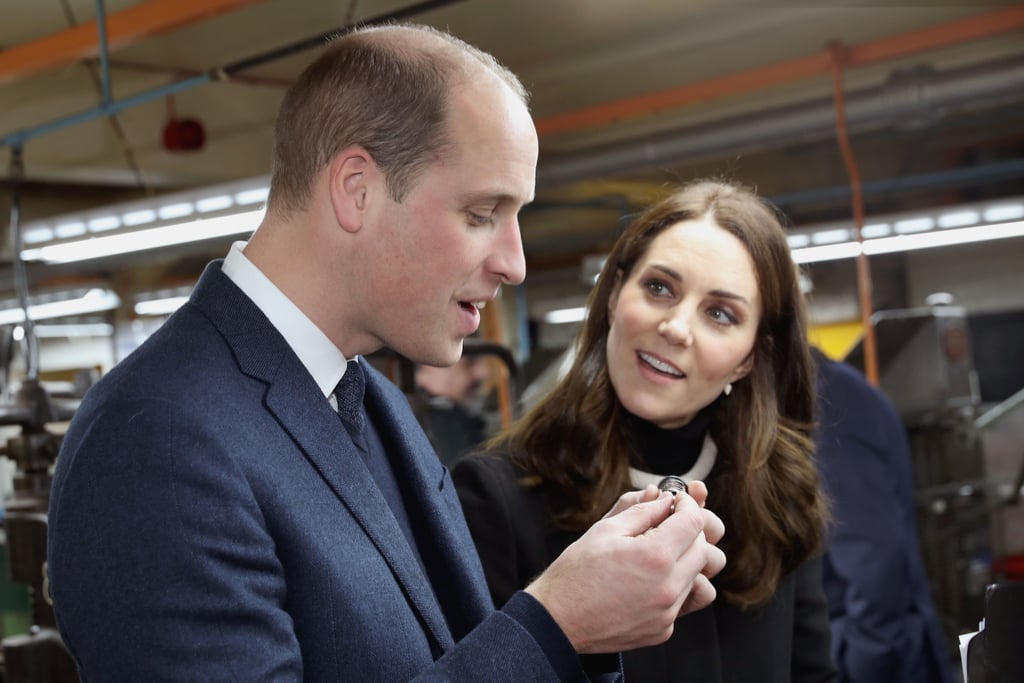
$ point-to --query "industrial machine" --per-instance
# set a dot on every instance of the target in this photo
(926, 369)
(38, 655)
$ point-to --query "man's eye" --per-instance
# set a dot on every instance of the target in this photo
(479, 220)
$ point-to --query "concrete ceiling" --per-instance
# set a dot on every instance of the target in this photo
(628, 96)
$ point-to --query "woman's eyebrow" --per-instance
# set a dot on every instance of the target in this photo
(720, 293)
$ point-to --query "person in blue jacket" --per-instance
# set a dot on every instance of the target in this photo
(884, 624)
(245, 498)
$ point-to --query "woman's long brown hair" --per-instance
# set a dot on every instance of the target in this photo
(764, 486)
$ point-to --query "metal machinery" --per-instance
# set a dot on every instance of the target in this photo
(38, 655)
(926, 369)
(1001, 432)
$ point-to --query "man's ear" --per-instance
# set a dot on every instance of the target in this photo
(349, 178)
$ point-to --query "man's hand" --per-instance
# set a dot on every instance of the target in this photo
(626, 580)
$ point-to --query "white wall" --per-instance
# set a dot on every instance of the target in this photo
(76, 352)
(983, 278)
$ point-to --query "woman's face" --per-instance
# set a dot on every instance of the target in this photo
(683, 324)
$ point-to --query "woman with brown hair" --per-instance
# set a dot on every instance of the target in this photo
(693, 361)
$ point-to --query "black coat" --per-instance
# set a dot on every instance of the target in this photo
(884, 625)
(785, 641)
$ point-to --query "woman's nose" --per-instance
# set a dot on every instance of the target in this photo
(676, 329)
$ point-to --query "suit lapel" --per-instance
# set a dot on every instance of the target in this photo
(329, 448)
(451, 558)
(296, 403)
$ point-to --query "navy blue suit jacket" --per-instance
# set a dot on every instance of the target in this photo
(884, 625)
(210, 519)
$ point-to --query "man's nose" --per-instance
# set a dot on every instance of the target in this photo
(508, 260)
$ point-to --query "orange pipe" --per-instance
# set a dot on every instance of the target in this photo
(818, 64)
(839, 60)
(491, 330)
(702, 91)
(123, 28)
(942, 35)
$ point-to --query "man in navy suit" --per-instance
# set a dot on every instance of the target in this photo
(211, 516)
(884, 625)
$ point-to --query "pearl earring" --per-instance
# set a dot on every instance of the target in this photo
(728, 389)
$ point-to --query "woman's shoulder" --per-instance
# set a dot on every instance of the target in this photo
(488, 468)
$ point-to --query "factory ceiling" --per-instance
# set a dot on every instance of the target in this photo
(628, 97)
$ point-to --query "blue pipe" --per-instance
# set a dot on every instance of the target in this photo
(969, 175)
(101, 22)
(18, 138)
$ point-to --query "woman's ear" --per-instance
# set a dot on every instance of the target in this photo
(351, 172)
(745, 367)
(613, 298)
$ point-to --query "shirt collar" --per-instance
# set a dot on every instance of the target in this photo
(324, 361)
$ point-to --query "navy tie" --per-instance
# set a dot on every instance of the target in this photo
(349, 394)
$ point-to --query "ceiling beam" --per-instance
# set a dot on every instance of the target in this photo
(123, 28)
(817, 64)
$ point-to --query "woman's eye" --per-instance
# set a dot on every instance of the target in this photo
(657, 287)
(720, 315)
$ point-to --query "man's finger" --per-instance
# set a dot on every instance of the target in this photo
(698, 491)
(714, 527)
(631, 498)
(702, 594)
(639, 518)
(716, 562)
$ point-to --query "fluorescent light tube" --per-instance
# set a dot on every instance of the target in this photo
(172, 211)
(133, 218)
(566, 315)
(57, 331)
(164, 306)
(830, 236)
(218, 203)
(104, 223)
(875, 230)
(926, 240)
(959, 219)
(94, 301)
(1007, 212)
(826, 252)
(37, 234)
(256, 196)
(73, 229)
(798, 240)
(915, 225)
(140, 240)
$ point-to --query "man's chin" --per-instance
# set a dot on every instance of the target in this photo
(439, 357)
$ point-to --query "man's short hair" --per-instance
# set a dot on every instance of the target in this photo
(384, 88)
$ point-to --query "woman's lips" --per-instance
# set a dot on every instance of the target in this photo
(659, 365)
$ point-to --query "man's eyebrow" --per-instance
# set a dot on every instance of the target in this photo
(720, 293)
(496, 196)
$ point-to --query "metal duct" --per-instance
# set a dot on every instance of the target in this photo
(914, 96)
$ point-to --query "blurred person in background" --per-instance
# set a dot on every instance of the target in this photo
(451, 406)
(884, 624)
